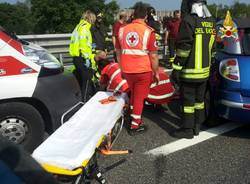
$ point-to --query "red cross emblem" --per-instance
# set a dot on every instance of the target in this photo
(132, 39)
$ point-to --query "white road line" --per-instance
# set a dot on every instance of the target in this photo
(185, 143)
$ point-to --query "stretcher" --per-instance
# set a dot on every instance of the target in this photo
(70, 151)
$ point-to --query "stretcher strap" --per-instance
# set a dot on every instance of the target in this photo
(108, 100)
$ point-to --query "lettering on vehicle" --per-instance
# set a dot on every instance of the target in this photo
(26, 70)
(2, 72)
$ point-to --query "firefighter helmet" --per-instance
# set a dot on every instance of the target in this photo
(197, 1)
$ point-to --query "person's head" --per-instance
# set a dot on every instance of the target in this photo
(89, 16)
(123, 16)
(177, 14)
(100, 55)
(99, 17)
(151, 12)
(101, 60)
(140, 10)
(199, 7)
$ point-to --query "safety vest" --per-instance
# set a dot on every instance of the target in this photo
(81, 43)
(194, 59)
(134, 39)
(81, 40)
(116, 82)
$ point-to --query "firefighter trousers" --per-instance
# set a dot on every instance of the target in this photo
(193, 103)
(172, 49)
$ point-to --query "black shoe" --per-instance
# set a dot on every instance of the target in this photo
(197, 129)
(136, 131)
(187, 133)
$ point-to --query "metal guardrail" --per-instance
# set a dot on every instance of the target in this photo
(58, 44)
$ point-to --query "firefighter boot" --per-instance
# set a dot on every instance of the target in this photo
(197, 129)
(187, 133)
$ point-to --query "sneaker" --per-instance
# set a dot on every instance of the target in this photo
(186, 133)
(135, 131)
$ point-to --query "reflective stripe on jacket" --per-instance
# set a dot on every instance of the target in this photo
(163, 91)
(159, 93)
(194, 47)
(115, 82)
(134, 39)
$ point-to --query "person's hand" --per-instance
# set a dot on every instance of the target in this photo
(156, 78)
(165, 42)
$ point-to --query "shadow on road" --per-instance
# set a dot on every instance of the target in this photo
(165, 116)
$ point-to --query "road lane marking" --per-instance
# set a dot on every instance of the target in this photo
(185, 143)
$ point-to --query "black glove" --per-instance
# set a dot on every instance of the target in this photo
(175, 77)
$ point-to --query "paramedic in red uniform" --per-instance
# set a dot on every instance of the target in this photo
(137, 56)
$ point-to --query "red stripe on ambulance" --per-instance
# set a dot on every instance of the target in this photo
(11, 66)
(13, 43)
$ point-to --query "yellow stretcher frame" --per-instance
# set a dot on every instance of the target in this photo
(77, 171)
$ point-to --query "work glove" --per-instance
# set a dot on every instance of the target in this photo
(175, 77)
(87, 63)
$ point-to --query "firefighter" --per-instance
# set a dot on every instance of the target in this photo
(99, 33)
(152, 21)
(192, 65)
(81, 51)
(137, 56)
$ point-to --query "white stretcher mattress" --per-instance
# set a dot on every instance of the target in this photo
(75, 141)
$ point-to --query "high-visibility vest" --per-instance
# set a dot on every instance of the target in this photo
(81, 40)
(116, 82)
(162, 92)
(133, 39)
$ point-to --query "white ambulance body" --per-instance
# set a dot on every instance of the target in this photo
(34, 91)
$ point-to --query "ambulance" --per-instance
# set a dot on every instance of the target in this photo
(34, 91)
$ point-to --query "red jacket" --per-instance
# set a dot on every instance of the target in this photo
(163, 92)
(159, 94)
(111, 77)
(173, 28)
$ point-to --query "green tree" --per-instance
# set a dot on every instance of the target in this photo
(238, 10)
(60, 16)
(16, 18)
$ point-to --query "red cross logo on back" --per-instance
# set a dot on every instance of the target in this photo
(132, 39)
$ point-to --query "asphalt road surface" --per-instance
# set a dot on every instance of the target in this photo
(218, 155)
